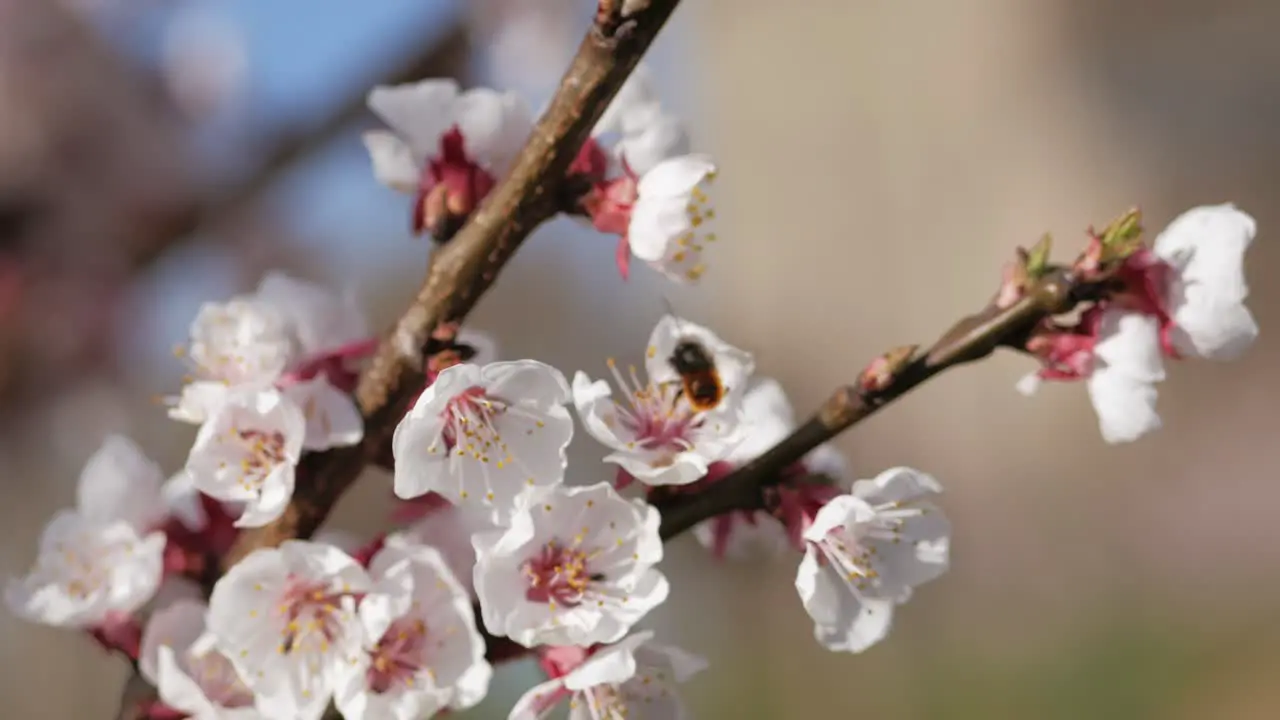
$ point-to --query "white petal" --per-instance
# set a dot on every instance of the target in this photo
(1207, 244)
(199, 400)
(183, 500)
(596, 409)
(484, 344)
(332, 418)
(662, 137)
(843, 621)
(176, 688)
(529, 380)
(119, 482)
(1029, 384)
(1129, 343)
(494, 126)
(636, 96)
(1127, 366)
(1212, 330)
(320, 319)
(1126, 407)
(899, 484)
(393, 161)
(538, 701)
(609, 666)
(419, 112)
(177, 626)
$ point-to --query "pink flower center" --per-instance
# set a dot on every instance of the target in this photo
(311, 615)
(464, 181)
(263, 451)
(468, 422)
(557, 575)
(399, 655)
(654, 415)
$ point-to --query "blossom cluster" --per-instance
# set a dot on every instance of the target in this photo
(634, 178)
(492, 535)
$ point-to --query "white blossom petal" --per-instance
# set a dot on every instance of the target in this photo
(494, 126)
(449, 529)
(661, 138)
(202, 683)
(418, 112)
(1206, 295)
(1127, 365)
(393, 162)
(674, 218)
(119, 482)
(318, 319)
(332, 418)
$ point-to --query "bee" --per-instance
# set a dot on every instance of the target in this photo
(701, 384)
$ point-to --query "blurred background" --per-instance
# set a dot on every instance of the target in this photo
(881, 160)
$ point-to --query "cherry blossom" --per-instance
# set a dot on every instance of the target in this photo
(767, 419)
(575, 566)
(240, 343)
(103, 560)
(288, 334)
(645, 187)
(634, 679)
(657, 436)
(479, 435)
(673, 218)
(866, 551)
(1183, 297)
(448, 147)
(422, 652)
(286, 619)
(189, 674)
(247, 452)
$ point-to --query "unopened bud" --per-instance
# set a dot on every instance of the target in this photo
(882, 371)
(441, 213)
(1036, 260)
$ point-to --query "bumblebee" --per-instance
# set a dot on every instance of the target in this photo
(701, 382)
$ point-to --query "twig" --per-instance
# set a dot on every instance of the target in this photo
(973, 338)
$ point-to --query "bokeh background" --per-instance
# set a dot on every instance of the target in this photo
(880, 161)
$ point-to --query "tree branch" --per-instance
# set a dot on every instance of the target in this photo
(972, 338)
(467, 266)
